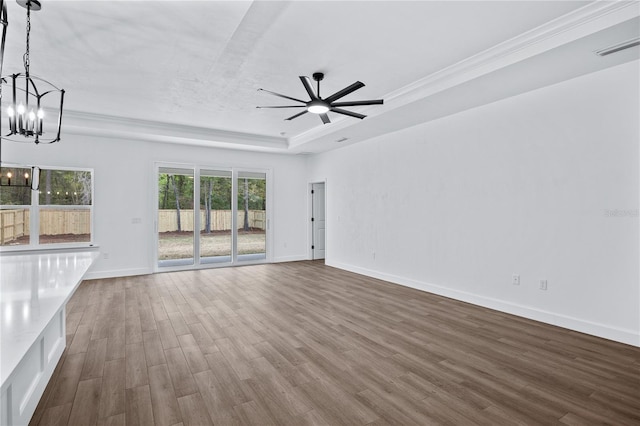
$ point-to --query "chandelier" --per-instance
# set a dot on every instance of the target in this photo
(33, 110)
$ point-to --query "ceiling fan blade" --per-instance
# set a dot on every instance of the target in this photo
(282, 106)
(325, 118)
(349, 113)
(282, 96)
(356, 103)
(344, 92)
(306, 82)
(297, 115)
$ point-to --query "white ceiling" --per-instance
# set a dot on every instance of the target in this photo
(188, 71)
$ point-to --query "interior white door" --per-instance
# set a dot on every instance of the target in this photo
(318, 220)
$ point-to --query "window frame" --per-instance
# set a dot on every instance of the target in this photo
(34, 214)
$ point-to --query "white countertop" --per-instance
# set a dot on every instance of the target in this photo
(33, 287)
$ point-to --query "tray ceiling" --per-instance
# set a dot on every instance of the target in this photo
(188, 71)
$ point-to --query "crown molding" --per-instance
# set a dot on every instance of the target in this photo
(589, 19)
(109, 126)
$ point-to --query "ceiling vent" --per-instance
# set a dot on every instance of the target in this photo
(618, 47)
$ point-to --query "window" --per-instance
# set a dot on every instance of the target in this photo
(60, 209)
(15, 202)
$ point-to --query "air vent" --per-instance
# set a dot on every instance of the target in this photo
(618, 47)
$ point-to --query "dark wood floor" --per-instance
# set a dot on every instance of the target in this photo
(303, 343)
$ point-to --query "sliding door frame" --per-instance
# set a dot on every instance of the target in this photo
(197, 168)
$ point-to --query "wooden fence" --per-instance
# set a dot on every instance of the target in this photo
(15, 223)
(220, 220)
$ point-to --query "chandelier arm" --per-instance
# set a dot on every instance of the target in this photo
(35, 77)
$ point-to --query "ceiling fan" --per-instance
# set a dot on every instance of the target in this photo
(319, 105)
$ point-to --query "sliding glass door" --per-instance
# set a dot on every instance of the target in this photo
(220, 231)
(175, 222)
(215, 213)
(252, 216)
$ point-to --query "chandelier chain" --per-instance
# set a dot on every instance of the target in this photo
(26, 53)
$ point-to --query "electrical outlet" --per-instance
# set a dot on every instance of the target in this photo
(105, 255)
(543, 284)
(515, 279)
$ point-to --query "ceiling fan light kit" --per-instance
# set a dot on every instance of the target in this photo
(320, 106)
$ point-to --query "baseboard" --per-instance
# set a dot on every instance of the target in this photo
(116, 273)
(295, 258)
(629, 337)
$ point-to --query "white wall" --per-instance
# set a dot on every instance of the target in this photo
(124, 173)
(521, 186)
(455, 206)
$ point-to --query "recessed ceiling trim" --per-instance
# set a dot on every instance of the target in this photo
(618, 47)
(572, 26)
(586, 20)
(102, 125)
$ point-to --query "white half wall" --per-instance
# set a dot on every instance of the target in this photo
(123, 173)
(544, 185)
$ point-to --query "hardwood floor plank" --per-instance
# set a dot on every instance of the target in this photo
(153, 350)
(136, 366)
(72, 321)
(55, 416)
(194, 411)
(113, 389)
(138, 407)
(188, 314)
(252, 413)
(235, 359)
(96, 357)
(181, 377)
(85, 405)
(167, 335)
(116, 342)
(313, 418)
(339, 406)
(117, 420)
(159, 312)
(218, 403)
(202, 338)
(147, 321)
(163, 398)
(193, 354)
(133, 325)
(178, 323)
(385, 410)
(66, 383)
(235, 389)
(286, 395)
(81, 339)
(169, 305)
(101, 328)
